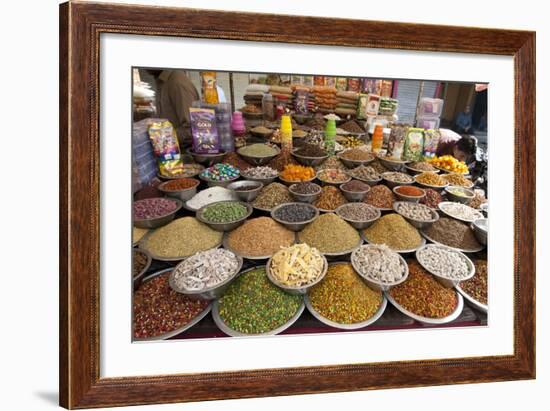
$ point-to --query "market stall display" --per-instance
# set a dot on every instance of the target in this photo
(331, 235)
(330, 199)
(155, 212)
(394, 231)
(475, 290)
(271, 196)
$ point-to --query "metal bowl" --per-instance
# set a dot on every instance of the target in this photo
(464, 250)
(391, 183)
(206, 158)
(472, 301)
(258, 161)
(294, 226)
(158, 221)
(214, 183)
(395, 165)
(264, 181)
(354, 196)
(432, 321)
(369, 182)
(404, 197)
(353, 163)
(211, 293)
(137, 280)
(441, 206)
(355, 326)
(289, 182)
(469, 194)
(183, 195)
(309, 161)
(190, 175)
(423, 185)
(358, 225)
(415, 171)
(376, 284)
(447, 282)
(179, 330)
(419, 224)
(143, 246)
(305, 198)
(480, 230)
(331, 183)
(228, 226)
(226, 245)
(407, 251)
(296, 290)
(246, 195)
(336, 254)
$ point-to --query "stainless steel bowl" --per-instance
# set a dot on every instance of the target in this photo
(444, 204)
(464, 250)
(294, 226)
(415, 171)
(419, 224)
(353, 163)
(373, 283)
(226, 245)
(259, 161)
(305, 198)
(472, 301)
(296, 290)
(395, 165)
(447, 282)
(391, 183)
(289, 182)
(208, 159)
(354, 196)
(423, 185)
(331, 183)
(246, 195)
(224, 226)
(480, 230)
(183, 195)
(211, 293)
(214, 183)
(158, 221)
(139, 277)
(358, 225)
(404, 197)
(309, 161)
(369, 182)
(465, 199)
(264, 181)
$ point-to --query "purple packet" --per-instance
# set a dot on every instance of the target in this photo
(204, 130)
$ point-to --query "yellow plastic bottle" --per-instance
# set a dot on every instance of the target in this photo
(286, 133)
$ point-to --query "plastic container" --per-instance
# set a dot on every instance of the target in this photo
(286, 133)
(428, 123)
(330, 136)
(429, 107)
(377, 139)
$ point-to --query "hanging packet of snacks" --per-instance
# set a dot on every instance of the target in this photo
(373, 104)
(301, 98)
(354, 84)
(386, 88)
(308, 81)
(362, 105)
(431, 141)
(330, 81)
(204, 131)
(341, 84)
(297, 79)
(318, 80)
(414, 144)
(166, 148)
(285, 79)
(396, 141)
(209, 89)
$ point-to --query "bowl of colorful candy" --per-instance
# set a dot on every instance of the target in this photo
(220, 174)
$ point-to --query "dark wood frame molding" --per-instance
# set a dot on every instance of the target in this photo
(80, 27)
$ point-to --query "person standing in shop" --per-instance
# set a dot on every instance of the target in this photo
(175, 95)
(463, 123)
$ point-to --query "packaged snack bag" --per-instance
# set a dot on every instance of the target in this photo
(341, 84)
(166, 148)
(414, 144)
(396, 141)
(301, 97)
(431, 141)
(362, 105)
(209, 89)
(354, 84)
(204, 130)
(373, 104)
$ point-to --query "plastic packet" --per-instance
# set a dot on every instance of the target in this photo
(166, 148)
(396, 141)
(414, 144)
(204, 131)
(431, 141)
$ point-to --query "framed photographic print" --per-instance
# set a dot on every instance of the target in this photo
(258, 205)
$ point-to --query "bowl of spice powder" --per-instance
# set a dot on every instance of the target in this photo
(331, 235)
(453, 233)
(409, 193)
(181, 188)
(394, 231)
(380, 197)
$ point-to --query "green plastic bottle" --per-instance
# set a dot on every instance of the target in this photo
(330, 136)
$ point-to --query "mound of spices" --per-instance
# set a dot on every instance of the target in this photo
(310, 150)
(453, 233)
(331, 162)
(138, 233)
(378, 166)
(260, 237)
(224, 212)
(260, 172)
(380, 196)
(330, 234)
(431, 179)
(397, 177)
(351, 126)
(358, 212)
(236, 161)
(479, 198)
(394, 231)
(355, 186)
(282, 160)
(295, 212)
(272, 195)
(153, 208)
(305, 188)
(180, 184)
(422, 166)
(364, 173)
(293, 172)
(297, 265)
(158, 309)
(411, 191)
(181, 238)
(415, 211)
(461, 211)
(333, 175)
(432, 199)
(423, 295)
(378, 263)
(343, 297)
(457, 179)
(209, 196)
(457, 191)
(220, 172)
(330, 199)
(357, 154)
(139, 262)
(253, 305)
(444, 262)
(476, 287)
(258, 150)
(205, 270)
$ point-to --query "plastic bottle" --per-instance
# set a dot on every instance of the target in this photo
(377, 138)
(330, 136)
(239, 129)
(286, 133)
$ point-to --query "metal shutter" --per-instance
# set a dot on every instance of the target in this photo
(407, 94)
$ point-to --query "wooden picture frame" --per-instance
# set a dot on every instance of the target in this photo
(80, 27)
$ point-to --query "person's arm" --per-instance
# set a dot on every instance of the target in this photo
(181, 100)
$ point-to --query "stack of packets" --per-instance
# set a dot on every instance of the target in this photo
(144, 163)
(283, 95)
(346, 103)
(325, 98)
(254, 93)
